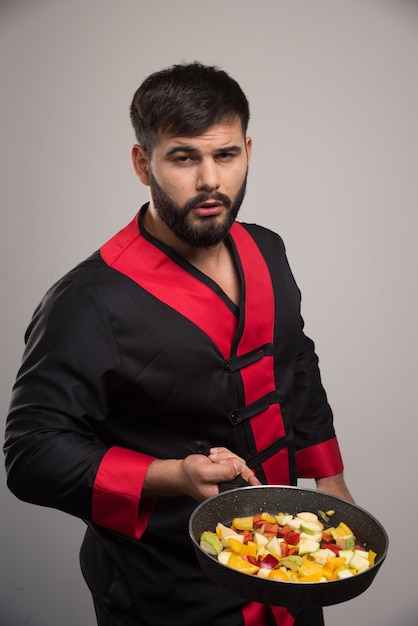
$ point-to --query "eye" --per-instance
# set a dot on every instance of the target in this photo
(227, 155)
(184, 159)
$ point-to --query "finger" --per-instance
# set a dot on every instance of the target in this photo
(220, 455)
(252, 480)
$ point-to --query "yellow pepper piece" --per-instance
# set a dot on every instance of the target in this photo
(336, 561)
(332, 566)
(372, 557)
(237, 563)
(243, 523)
(309, 568)
(249, 549)
(235, 545)
(268, 518)
(327, 572)
(342, 530)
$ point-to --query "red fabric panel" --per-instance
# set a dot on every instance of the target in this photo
(276, 468)
(175, 286)
(258, 378)
(255, 614)
(282, 616)
(259, 295)
(116, 502)
(268, 426)
(323, 459)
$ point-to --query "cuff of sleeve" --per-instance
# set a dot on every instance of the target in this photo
(116, 500)
(323, 459)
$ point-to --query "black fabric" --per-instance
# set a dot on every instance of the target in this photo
(173, 592)
(196, 602)
(97, 372)
(309, 617)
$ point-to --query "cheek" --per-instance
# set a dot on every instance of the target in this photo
(175, 187)
(237, 180)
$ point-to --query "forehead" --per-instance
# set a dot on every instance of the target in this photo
(217, 136)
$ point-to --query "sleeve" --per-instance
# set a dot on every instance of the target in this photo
(70, 372)
(317, 450)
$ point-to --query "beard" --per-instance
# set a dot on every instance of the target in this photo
(208, 231)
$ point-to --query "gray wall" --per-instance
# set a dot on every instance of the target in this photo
(333, 88)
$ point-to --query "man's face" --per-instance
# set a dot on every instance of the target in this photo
(197, 184)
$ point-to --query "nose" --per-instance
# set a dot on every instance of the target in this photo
(207, 176)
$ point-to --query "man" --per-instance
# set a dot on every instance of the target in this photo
(183, 327)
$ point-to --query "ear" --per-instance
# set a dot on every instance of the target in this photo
(249, 146)
(140, 163)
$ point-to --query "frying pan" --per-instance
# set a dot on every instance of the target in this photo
(274, 499)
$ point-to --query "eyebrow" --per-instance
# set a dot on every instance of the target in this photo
(191, 150)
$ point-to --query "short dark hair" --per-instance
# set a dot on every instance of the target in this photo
(186, 100)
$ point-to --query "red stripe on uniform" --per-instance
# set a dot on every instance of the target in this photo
(175, 286)
(259, 297)
(258, 378)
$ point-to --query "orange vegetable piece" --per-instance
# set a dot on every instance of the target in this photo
(312, 578)
(278, 574)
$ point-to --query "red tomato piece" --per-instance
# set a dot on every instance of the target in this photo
(258, 521)
(284, 548)
(271, 528)
(331, 546)
(248, 536)
(292, 538)
(289, 534)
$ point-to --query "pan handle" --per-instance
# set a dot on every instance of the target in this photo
(203, 447)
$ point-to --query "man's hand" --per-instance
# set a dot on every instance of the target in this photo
(197, 475)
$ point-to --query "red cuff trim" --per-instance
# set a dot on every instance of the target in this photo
(319, 461)
(116, 500)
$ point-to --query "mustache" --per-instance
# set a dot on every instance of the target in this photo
(205, 197)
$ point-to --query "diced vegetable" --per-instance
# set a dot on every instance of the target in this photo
(210, 543)
(288, 548)
(243, 523)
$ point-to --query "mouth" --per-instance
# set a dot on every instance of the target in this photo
(209, 208)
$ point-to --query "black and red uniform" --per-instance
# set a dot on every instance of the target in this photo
(130, 357)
